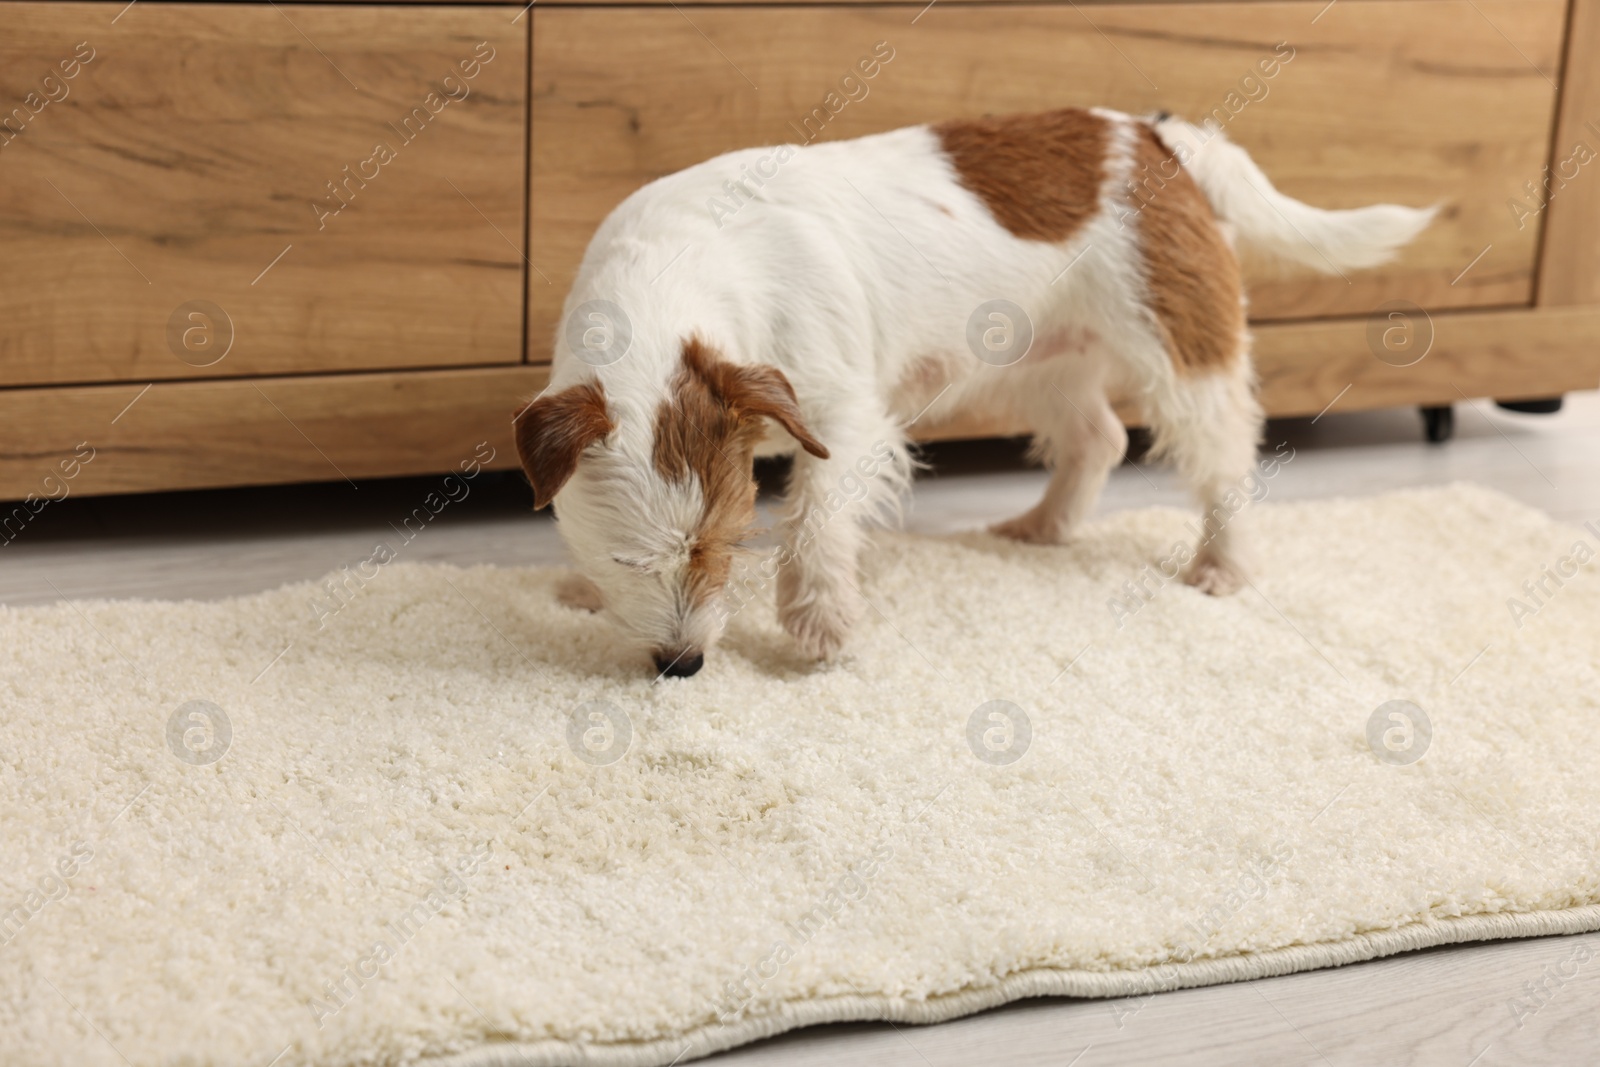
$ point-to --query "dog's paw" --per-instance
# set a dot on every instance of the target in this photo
(821, 633)
(820, 625)
(579, 593)
(1030, 528)
(1215, 574)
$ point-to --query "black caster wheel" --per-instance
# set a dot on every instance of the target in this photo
(1545, 406)
(1439, 423)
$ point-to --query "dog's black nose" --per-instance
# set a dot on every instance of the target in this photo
(681, 665)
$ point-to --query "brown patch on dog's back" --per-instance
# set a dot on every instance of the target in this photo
(707, 430)
(1039, 174)
(1191, 273)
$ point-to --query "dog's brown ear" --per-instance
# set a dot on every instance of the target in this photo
(753, 391)
(762, 390)
(552, 433)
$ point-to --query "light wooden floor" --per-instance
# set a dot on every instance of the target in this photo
(1446, 1007)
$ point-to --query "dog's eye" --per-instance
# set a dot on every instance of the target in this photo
(631, 563)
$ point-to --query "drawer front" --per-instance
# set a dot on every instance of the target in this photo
(1413, 101)
(215, 190)
(86, 440)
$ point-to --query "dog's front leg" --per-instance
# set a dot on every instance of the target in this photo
(818, 602)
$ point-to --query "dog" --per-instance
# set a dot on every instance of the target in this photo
(817, 300)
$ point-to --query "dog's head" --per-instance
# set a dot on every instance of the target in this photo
(654, 503)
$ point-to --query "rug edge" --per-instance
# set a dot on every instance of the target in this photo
(1039, 982)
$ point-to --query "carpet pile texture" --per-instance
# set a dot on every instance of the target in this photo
(434, 816)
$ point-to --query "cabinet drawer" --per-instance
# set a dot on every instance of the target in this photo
(250, 189)
(1414, 101)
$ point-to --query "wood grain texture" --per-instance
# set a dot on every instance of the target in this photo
(185, 158)
(524, 4)
(913, 4)
(1570, 266)
(1506, 355)
(1415, 101)
(188, 435)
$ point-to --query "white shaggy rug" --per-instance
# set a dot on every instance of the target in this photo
(449, 825)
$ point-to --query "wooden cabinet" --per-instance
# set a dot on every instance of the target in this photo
(249, 242)
(238, 190)
(1385, 100)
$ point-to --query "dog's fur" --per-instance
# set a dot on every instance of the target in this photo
(832, 309)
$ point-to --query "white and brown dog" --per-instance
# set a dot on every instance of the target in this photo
(815, 300)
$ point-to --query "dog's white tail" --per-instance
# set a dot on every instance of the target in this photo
(1270, 222)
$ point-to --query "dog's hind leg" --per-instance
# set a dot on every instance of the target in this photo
(1188, 350)
(1209, 426)
(1080, 439)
